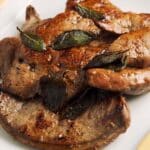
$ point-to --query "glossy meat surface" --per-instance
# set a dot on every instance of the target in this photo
(115, 20)
(138, 45)
(7, 54)
(33, 124)
(70, 20)
(129, 81)
(28, 67)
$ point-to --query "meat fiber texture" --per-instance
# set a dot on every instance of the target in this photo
(35, 125)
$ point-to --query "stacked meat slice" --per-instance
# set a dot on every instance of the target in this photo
(55, 98)
(115, 20)
(29, 69)
(33, 124)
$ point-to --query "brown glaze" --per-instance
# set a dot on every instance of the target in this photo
(138, 45)
(67, 21)
(23, 77)
(126, 22)
(28, 67)
(103, 6)
(7, 53)
(129, 81)
(35, 125)
(115, 20)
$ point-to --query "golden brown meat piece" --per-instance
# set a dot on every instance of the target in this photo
(49, 29)
(7, 54)
(104, 5)
(28, 67)
(129, 81)
(138, 45)
(29, 70)
(35, 125)
(23, 74)
(18, 76)
(22, 77)
(115, 20)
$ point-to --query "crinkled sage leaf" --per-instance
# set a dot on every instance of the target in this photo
(81, 103)
(72, 38)
(111, 60)
(32, 41)
(78, 105)
(49, 92)
(89, 13)
(119, 64)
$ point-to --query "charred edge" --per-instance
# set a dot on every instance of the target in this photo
(31, 12)
(115, 61)
(79, 104)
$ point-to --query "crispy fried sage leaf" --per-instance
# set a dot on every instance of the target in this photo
(112, 60)
(32, 41)
(81, 103)
(53, 92)
(72, 38)
(89, 13)
(119, 64)
(78, 105)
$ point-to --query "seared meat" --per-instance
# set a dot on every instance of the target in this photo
(49, 29)
(31, 123)
(126, 22)
(138, 45)
(22, 77)
(28, 71)
(18, 77)
(7, 54)
(104, 6)
(28, 68)
(115, 20)
(129, 81)
(25, 76)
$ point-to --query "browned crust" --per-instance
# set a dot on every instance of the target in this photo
(138, 45)
(67, 21)
(115, 20)
(120, 113)
(97, 144)
(98, 5)
(32, 19)
(129, 81)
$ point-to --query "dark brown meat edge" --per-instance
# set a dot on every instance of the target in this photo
(130, 81)
(115, 20)
(113, 120)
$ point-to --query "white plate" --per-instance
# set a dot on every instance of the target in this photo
(12, 15)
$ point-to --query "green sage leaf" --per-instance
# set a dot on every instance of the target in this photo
(113, 60)
(91, 97)
(119, 64)
(72, 38)
(32, 41)
(89, 13)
